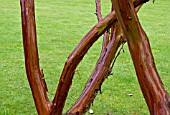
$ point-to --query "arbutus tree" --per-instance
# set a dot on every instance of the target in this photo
(120, 26)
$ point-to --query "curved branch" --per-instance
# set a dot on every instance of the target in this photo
(75, 58)
(101, 71)
(35, 75)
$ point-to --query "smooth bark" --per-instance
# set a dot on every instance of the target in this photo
(34, 74)
(151, 85)
(102, 70)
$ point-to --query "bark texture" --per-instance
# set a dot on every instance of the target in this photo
(74, 59)
(151, 85)
(102, 69)
(34, 74)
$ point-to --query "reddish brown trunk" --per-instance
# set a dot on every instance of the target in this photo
(75, 58)
(152, 88)
(101, 71)
(151, 85)
(34, 74)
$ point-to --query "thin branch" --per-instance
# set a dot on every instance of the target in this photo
(117, 55)
(106, 34)
(98, 10)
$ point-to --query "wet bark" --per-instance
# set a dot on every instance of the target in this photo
(144, 64)
(101, 72)
(102, 69)
(73, 60)
(34, 74)
(151, 85)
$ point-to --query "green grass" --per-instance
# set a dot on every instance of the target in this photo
(60, 26)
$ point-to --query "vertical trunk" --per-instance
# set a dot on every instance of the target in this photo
(151, 85)
(34, 74)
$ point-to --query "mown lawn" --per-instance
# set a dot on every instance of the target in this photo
(60, 26)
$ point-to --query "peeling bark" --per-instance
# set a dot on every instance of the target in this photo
(75, 58)
(101, 71)
(152, 88)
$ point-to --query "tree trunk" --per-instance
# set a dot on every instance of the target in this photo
(151, 85)
(34, 74)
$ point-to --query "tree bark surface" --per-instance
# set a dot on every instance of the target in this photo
(153, 90)
(34, 74)
(151, 85)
